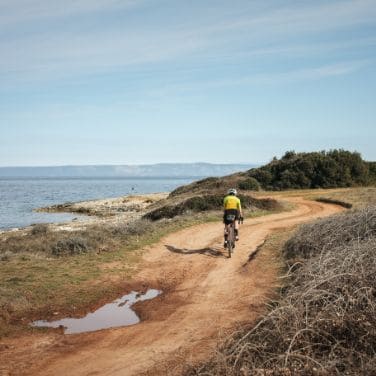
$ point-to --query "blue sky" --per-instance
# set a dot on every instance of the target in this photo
(147, 81)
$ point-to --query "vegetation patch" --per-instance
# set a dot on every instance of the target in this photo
(207, 185)
(249, 184)
(326, 200)
(335, 168)
(324, 169)
(359, 197)
(206, 203)
(313, 238)
(325, 322)
(62, 271)
(39, 228)
(71, 246)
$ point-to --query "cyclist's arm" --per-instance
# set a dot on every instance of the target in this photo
(240, 208)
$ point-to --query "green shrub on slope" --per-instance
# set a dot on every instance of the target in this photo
(336, 168)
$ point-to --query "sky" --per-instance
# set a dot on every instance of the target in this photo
(150, 81)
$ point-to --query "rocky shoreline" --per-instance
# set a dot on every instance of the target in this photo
(101, 211)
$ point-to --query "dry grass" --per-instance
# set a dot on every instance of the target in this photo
(357, 197)
(313, 238)
(325, 321)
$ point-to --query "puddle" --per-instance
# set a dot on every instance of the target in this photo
(112, 315)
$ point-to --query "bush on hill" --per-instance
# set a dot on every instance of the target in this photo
(335, 168)
(249, 184)
(208, 185)
(372, 172)
(332, 169)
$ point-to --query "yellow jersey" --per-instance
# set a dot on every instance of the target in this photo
(231, 202)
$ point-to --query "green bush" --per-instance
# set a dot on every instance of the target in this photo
(335, 168)
(249, 184)
(372, 172)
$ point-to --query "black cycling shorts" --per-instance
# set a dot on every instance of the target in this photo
(230, 213)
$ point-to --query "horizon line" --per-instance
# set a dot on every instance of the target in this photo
(135, 164)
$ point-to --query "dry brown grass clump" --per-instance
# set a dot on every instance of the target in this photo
(325, 323)
(314, 238)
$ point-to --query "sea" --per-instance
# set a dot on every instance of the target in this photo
(19, 197)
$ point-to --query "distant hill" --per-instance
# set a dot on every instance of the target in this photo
(335, 168)
(198, 170)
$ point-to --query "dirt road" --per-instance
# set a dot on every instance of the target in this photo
(205, 295)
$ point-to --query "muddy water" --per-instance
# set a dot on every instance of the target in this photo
(112, 315)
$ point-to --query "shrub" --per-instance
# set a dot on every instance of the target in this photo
(335, 168)
(70, 246)
(334, 231)
(346, 205)
(249, 184)
(137, 227)
(39, 229)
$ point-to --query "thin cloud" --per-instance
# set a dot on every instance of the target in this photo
(18, 11)
(272, 78)
(240, 34)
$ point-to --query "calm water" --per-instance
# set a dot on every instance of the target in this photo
(112, 315)
(18, 197)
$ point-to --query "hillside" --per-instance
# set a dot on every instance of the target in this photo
(324, 169)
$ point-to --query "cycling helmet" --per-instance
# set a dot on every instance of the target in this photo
(232, 191)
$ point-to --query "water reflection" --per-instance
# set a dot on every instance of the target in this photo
(115, 314)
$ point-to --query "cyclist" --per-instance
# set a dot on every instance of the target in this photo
(232, 206)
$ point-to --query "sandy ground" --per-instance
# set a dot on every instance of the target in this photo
(205, 295)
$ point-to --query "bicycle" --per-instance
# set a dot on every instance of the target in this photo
(231, 233)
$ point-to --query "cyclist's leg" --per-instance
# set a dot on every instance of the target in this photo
(237, 226)
(225, 229)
